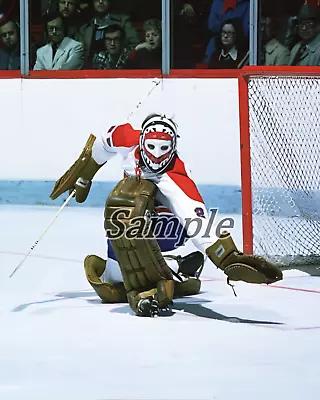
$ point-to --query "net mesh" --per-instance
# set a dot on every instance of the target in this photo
(284, 115)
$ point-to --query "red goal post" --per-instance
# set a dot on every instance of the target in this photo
(280, 162)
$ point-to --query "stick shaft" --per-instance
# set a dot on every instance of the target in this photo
(46, 230)
(155, 82)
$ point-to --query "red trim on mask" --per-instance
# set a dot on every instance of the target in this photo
(157, 160)
(158, 136)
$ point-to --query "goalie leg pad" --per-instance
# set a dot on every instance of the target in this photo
(189, 287)
(238, 266)
(94, 267)
(140, 259)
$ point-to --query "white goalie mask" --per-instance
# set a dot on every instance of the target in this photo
(158, 142)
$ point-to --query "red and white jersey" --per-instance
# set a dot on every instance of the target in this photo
(176, 189)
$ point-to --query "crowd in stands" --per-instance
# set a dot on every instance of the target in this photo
(127, 34)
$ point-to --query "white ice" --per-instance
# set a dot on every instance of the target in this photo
(57, 341)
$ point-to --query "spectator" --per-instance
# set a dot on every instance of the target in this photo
(48, 6)
(273, 52)
(222, 10)
(230, 52)
(148, 55)
(69, 11)
(93, 31)
(115, 54)
(307, 51)
(61, 53)
(10, 46)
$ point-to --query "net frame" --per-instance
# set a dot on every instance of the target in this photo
(246, 75)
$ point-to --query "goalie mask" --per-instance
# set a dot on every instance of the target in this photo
(158, 142)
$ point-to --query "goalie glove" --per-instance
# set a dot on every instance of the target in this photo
(240, 267)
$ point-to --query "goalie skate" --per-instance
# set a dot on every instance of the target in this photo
(149, 307)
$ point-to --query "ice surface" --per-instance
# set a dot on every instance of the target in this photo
(57, 341)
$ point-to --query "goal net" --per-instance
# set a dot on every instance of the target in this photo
(284, 134)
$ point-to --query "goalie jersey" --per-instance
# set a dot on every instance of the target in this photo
(176, 189)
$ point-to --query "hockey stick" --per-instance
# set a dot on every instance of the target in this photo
(156, 82)
(46, 230)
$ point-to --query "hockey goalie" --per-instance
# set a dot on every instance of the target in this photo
(154, 176)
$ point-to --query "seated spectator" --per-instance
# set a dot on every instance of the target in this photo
(10, 46)
(223, 10)
(115, 54)
(273, 52)
(62, 52)
(93, 31)
(69, 11)
(230, 48)
(148, 55)
(307, 51)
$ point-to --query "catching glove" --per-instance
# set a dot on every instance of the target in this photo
(240, 267)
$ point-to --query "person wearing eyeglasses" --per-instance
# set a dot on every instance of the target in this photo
(221, 11)
(116, 53)
(230, 49)
(61, 52)
(307, 51)
(93, 30)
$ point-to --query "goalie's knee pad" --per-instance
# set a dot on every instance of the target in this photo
(94, 267)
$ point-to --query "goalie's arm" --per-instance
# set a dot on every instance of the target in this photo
(97, 151)
(119, 140)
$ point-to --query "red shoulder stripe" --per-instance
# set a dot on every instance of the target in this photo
(180, 176)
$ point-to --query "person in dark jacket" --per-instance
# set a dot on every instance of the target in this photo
(148, 55)
(10, 46)
(231, 47)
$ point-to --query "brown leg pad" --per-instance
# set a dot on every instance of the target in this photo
(187, 288)
(94, 267)
(165, 289)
